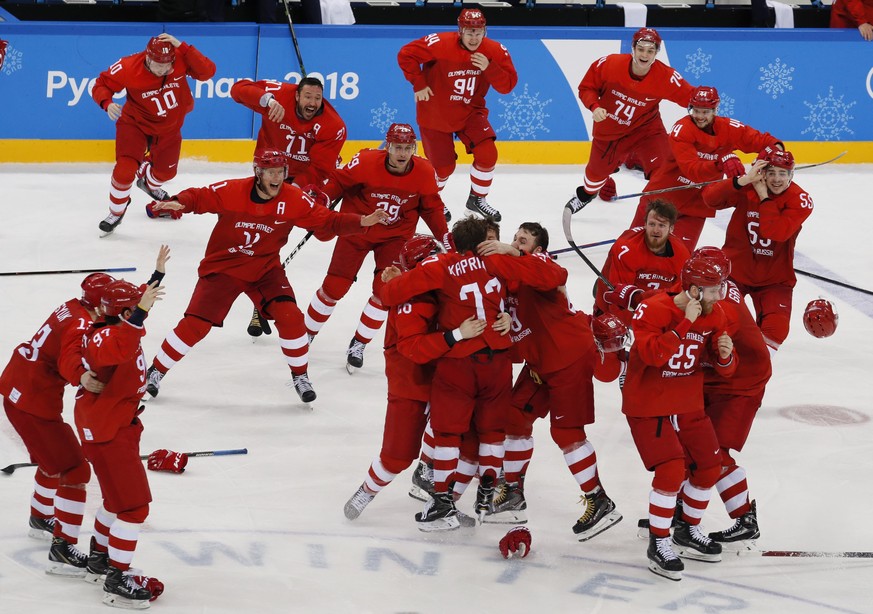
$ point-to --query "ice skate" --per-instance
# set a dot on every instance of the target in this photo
(578, 202)
(303, 387)
(66, 560)
(478, 204)
(98, 564)
(508, 506)
(484, 496)
(691, 543)
(153, 381)
(745, 528)
(156, 193)
(662, 560)
(599, 515)
(355, 356)
(41, 528)
(439, 514)
(447, 213)
(422, 482)
(112, 221)
(358, 502)
(120, 590)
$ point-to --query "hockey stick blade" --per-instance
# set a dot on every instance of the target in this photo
(706, 183)
(568, 234)
(10, 469)
(67, 271)
(812, 554)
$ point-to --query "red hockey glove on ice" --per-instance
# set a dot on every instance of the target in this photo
(165, 213)
(517, 541)
(608, 190)
(167, 460)
(623, 296)
(153, 585)
(731, 166)
(317, 194)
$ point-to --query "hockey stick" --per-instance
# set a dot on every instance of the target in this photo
(807, 554)
(705, 183)
(10, 469)
(66, 271)
(833, 281)
(294, 38)
(564, 250)
(568, 216)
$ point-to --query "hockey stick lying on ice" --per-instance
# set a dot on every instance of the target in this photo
(676, 188)
(833, 281)
(568, 216)
(259, 324)
(10, 469)
(65, 271)
(815, 554)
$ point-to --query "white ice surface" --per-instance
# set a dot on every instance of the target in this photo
(265, 532)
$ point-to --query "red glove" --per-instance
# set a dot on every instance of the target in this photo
(165, 213)
(730, 165)
(448, 242)
(167, 460)
(623, 296)
(517, 541)
(153, 585)
(316, 194)
(608, 190)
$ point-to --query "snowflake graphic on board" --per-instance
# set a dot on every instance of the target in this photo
(698, 63)
(776, 78)
(726, 105)
(828, 117)
(383, 116)
(13, 60)
(523, 115)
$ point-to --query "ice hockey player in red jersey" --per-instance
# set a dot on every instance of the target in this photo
(662, 399)
(110, 429)
(769, 212)
(555, 342)
(32, 386)
(402, 184)
(642, 261)
(412, 342)
(623, 91)
(298, 120)
(148, 128)
(450, 73)
(255, 216)
(702, 146)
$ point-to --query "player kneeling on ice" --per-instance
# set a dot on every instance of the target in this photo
(255, 216)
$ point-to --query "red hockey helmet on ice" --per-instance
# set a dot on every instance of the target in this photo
(716, 255)
(820, 318)
(160, 51)
(781, 159)
(647, 35)
(417, 249)
(610, 332)
(471, 18)
(92, 288)
(400, 133)
(704, 97)
(118, 296)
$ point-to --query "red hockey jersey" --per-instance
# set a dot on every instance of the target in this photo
(313, 146)
(440, 62)
(761, 235)
(114, 353)
(366, 185)
(157, 105)
(39, 369)
(664, 375)
(249, 234)
(630, 101)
